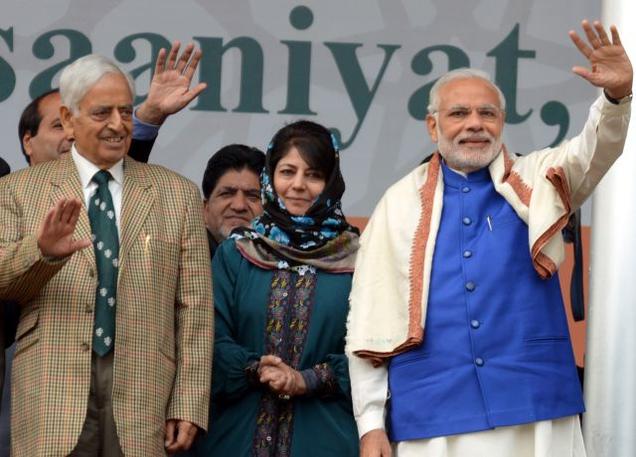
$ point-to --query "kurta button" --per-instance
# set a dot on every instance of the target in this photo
(284, 294)
(91, 273)
(470, 286)
(474, 323)
(479, 362)
(88, 308)
(268, 438)
(465, 189)
(84, 346)
(468, 254)
(467, 221)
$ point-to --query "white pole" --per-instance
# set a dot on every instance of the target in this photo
(609, 425)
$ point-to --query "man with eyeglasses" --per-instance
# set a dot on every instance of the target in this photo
(457, 333)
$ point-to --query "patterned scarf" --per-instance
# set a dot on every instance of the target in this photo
(323, 222)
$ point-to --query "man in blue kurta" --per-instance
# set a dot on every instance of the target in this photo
(457, 334)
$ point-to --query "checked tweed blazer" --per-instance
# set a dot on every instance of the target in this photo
(164, 322)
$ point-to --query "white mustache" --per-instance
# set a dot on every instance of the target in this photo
(474, 138)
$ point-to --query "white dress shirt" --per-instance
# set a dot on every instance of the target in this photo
(87, 170)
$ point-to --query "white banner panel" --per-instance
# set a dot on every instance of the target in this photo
(361, 67)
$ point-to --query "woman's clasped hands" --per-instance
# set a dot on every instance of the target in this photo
(280, 377)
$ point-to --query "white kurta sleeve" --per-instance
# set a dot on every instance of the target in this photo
(369, 391)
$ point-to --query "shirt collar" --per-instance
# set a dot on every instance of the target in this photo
(87, 169)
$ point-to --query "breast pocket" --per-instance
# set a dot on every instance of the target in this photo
(155, 257)
(506, 237)
(165, 260)
(504, 217)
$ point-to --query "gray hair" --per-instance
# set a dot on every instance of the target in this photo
(79, 77)
(461, 73)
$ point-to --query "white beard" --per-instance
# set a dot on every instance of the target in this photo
(463, 158)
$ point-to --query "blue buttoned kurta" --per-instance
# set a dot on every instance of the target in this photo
(496, 348)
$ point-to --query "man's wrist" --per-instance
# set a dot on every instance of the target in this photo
(150, 116)
(618, 97)
(49, 258)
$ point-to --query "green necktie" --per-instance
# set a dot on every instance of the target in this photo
(101, 213)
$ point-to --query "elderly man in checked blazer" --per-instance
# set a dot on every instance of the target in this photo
(108, 260)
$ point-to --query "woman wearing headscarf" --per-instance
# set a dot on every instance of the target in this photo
(280, 380)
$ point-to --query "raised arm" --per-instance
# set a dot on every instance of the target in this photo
(586, 157)
(169, 93)
(170, 89)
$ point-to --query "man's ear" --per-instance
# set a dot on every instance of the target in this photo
(26, 144)
(66, 117)
(205, 209)
(431, 125)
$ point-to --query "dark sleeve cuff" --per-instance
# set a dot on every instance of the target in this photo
(251, 373)
(618, 101)
(320, 381)
(142, 130)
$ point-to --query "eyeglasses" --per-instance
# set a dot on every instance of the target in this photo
(485, 113)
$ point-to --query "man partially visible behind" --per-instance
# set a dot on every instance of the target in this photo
(108, 263)
(40, 129)
(231, 190)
